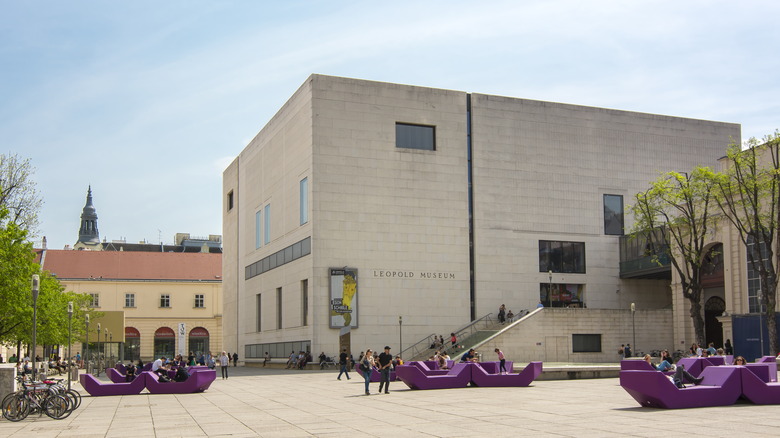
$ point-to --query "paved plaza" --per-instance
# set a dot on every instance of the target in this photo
(286, 403)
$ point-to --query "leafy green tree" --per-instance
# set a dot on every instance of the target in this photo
(748, 194)
(674, 216)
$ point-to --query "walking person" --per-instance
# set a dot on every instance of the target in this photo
(266, 358)
(367, 366)
(224, 363)
(501, 314)
(343, 364)
(385, 362)
(235, 359)
(502, 359)
(454, 340)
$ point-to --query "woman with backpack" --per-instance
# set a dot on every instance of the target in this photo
(367, 366)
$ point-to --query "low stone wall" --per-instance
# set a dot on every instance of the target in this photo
(546, 335)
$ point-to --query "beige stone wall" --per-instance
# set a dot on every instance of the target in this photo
(232, 272)
(546, 335)
(540, 172)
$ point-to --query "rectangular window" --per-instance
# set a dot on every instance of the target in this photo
(305, 302)
(165, 300)
(409, 136)
(200, 301)
(259, 304)
(267, 225)
(258, 222)
(230, 200)
(562, 295)
(304, 197)
(613, 215)
(95, 300)
(129, 300)
(562, 257)
(278, 307)
(760, 254)
(586, 343)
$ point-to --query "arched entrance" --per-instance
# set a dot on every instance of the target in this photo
(164, 342)
(714, 292)
(199, 341)
(132, 348)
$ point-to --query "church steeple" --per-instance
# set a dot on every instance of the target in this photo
(88, 232)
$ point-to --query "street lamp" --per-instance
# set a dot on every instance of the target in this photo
(400, 334)
(111, 346)
(549, 290)
(35, 289)
(70, 332)
(105, 356)
(633, 325)
(86, 344)
(97, 371)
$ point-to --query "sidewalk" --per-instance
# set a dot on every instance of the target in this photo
(288, 403)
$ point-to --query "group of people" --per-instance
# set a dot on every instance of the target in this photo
(297, 361)
(504, 316)
(384, 362)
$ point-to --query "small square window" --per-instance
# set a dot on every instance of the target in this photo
(95, 300)
(199, 301)
(165, 300)
(129, 300)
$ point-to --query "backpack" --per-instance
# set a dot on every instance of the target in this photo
(364, 366)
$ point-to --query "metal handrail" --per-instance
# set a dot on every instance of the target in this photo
(415, 349)
(469, 329)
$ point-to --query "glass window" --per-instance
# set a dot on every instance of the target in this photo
(305, 302)
(267, 225)
(165, 300)
(200, 301)
(258, 236)
(562, 295)
(230, 200)
(562, 257)
(129, 300)
(415, 136)
(613, 215)
(278, 307)
(259, 327)
(759, 252)
(95, 300)
(304, 197)
(586, 343)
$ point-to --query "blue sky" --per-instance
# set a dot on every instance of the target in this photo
(148, 101)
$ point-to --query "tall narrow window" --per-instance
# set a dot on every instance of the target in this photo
(304, 200)
(278, 307)
(230, 200)
(200, 301)
(165, 300)
(95, 300)
(759, 253)
(613, 215)
(129, 300)
(267, 224)
(305, 302)
(259, 304)
(258, 222)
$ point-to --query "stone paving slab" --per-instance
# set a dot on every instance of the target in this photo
(285, 403)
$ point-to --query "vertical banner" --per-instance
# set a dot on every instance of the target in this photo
(343, 297)
(182, 333)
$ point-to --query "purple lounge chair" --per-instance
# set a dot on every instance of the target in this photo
(97, 388)
(116, 376)
(772, 362)
(480, 376)
(428, 371)
(458, 377)
(761, 370)
(721, 387)
(492, 367)
(757, 390)
(199, 381)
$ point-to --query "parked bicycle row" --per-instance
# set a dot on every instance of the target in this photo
(50, 397)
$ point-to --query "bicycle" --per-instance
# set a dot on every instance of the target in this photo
(35, 397)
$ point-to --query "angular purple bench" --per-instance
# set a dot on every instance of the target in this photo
(757, 390)
(423, 366)
(492, 367)
(97, 388)
(116, 376)
(771, 361)
(721, 386)
(458, 377)
(199, 381)
(481, 377)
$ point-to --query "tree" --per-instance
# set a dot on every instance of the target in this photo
(748, 194)
(674, 216)
(18, 193)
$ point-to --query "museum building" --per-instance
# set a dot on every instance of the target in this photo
(367, 214)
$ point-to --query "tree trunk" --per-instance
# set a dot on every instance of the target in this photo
(771, 322)
(696, 316)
